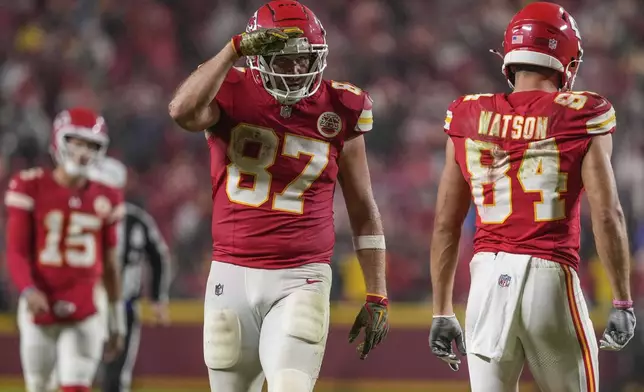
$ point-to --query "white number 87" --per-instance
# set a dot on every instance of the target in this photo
(266, 143)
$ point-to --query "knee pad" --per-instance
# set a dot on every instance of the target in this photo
(306, 315)
(291, 380)
(221, 339)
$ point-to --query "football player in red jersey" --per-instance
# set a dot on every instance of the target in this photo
(524, 159)
(61, 237)
(280, 137)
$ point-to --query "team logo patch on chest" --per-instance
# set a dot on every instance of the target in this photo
(329, 124)
(102, 206)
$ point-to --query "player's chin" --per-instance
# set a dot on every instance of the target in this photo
(290, 85)
(296, 85)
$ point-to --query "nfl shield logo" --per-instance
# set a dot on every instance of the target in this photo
(504, 280)
(219, 289)
(552, 44)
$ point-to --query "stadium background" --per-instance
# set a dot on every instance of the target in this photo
(125, 57)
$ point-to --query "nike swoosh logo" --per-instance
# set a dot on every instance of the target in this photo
(311, 281)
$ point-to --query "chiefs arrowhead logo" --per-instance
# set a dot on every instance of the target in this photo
(329, 124)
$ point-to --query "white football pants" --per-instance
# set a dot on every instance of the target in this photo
(549, 328)
(61, 354)
(265, 323)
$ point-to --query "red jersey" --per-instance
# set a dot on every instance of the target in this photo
(522, 154)
(56, 239)
(274, 171)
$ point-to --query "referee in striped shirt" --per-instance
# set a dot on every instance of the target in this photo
(139, 240)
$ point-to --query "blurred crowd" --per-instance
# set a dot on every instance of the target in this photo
(125, 58)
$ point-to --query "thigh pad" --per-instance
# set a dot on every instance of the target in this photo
(306, 315)
(221, 339)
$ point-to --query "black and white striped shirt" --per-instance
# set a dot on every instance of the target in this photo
(140, 239)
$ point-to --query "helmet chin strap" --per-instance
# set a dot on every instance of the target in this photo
(496, 52)
(570, 77)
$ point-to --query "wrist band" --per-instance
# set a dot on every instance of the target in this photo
(235, 42)
(622, 304)
(369, 242)
(377, 299)
(116, 318)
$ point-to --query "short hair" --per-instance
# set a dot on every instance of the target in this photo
(516, 68)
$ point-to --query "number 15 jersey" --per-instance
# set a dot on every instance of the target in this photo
(522, 154)
(274, 171)
(57, 239)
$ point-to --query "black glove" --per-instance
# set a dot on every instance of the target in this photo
(263, 41)
(446, 329)
(374, 318)
(619, 329)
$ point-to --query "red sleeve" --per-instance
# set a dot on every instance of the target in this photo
(589, 112)
(359, 107)
(111, 236)
(450, 127)
(365, 119)
(112, 222)
(226, 94)
(19, 239)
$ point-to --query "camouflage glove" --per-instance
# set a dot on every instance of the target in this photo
(263, 41)
(446, 329)
(619, 329)
(374, 318)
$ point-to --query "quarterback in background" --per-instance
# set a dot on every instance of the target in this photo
(61, 238)
(525, 158)
(280, 137)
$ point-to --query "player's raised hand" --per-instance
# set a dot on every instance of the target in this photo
(444, 331)
(619, 329)
(36, 301)
(374, 318)
(264, 41)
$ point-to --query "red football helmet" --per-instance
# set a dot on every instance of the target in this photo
(546, 35)
(289, 13)
(78, 123)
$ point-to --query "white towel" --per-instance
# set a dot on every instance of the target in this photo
(493, 325)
